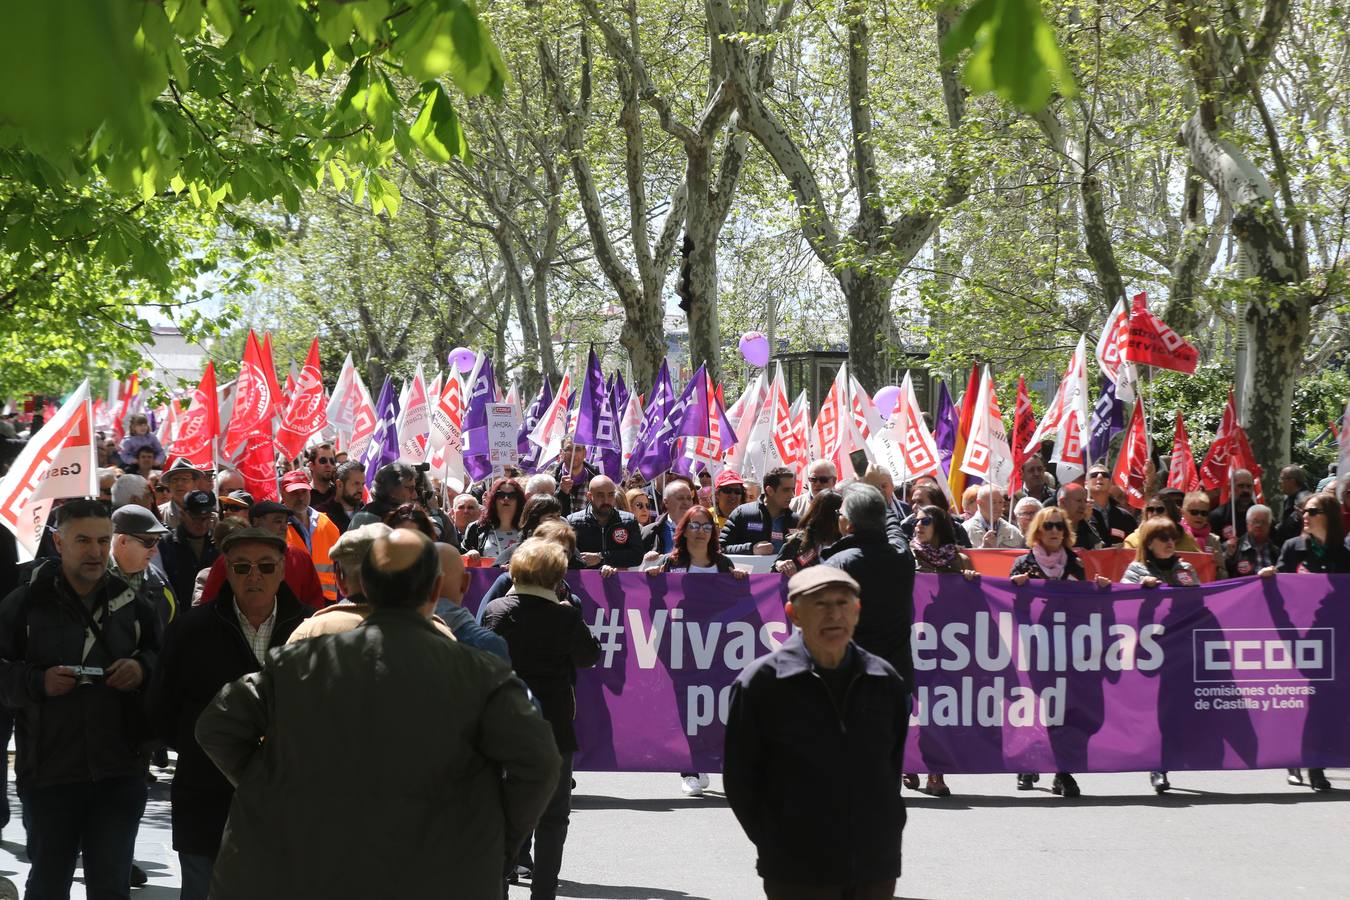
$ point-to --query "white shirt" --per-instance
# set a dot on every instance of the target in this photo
(258, 638)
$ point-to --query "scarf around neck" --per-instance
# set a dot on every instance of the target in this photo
(1200, 534)
(1052, 564)
(939, 558)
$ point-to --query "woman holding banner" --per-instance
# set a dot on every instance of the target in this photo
(1156, 563)
(498, 529)
(1320, 549)
(818, 529)
(696, 551)
(1051, 558)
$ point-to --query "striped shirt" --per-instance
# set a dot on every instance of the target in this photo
(258, 638)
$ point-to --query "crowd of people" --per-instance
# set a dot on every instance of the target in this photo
(277, 646)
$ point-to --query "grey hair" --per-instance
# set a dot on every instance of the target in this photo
(864, 507)
(1259, 508)
(673, 486)
(541, 483)
(1030, 503)
(128, 489)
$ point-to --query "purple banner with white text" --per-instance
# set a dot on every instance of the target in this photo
(1053, 676)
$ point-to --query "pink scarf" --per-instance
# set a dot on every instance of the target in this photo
(1200, 534)
(1052, 564)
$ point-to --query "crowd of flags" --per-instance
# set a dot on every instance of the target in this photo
(250, 422)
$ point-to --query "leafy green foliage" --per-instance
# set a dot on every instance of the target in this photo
(1013, 52)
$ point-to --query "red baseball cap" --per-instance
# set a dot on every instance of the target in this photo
(297, 480)
(728, 478)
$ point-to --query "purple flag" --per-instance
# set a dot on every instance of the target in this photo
(608, 460)
(620, 392)
(383, 446)
(597, 426)
(662, 398)
(660, 453)
(481, 390)
(1108, 420)
(945, 426)
(528, 449)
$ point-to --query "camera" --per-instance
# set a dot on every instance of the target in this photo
(87, 671)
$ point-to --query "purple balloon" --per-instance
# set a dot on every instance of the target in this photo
(754, 349)
(462, 359)
(884, 400)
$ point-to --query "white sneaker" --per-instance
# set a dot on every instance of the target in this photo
(693, 785)
(704, 781)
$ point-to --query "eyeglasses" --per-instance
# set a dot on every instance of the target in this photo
(699, 527)
(820, 479)
(148, 543)
(325, 460)
(1054, 525)
(510, 496)
(1198, 510)
(1166, 538)
(924, 520)
(266, 568)
(1160, 510)
(1096, 474)
(1311, 511)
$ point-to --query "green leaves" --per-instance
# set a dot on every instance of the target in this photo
(1014, 53)
(437, 131)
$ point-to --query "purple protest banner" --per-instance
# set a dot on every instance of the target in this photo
(1053, 676)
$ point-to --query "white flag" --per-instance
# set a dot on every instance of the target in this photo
(553, 425)
(1111, 352)
(414, 420)
(59, 461)
(988, 455)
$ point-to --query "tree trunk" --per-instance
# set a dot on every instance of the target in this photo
(705, 338)
(869, 325)
(515, 286)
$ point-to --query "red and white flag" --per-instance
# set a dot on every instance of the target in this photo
(342, 404)
(1024, 428)
(743, 415)
(305, 414)
(829, 420)
(364, 419)
(258, 465)
(414, 421)
(1130, 473)
(553, 424)
(61, 460)
(198, 428)
(988, 455)
(1067, 419)
(1111, 352)
(253, 397)
(773, 439)
(1182, 474)
(630, 423)
(1229, 453)
(1153, 342)
(800, 411)
(445, 437)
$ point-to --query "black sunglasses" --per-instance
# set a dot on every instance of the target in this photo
(1311, 511)
(819, 479)
(1155, 509)
(1054, 525)
(325, 460)
(924, 520)
(148, 543)
(266, 568)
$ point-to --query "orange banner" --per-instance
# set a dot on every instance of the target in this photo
(1112, 562)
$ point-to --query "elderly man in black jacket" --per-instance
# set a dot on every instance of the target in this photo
(205, 649)
(760, 528)
(822, 711)
(76, 645)
(877, 557)
(390, 723)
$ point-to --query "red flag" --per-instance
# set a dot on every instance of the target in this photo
(1182, 474)
(199, 427)
(1024, 426)
(306, 414)
(129, 391)
(270, 370)
(258, 466)
(1133, 460)
(1243, 458)
(1154, 343)
(1229, 452)
(253, 397)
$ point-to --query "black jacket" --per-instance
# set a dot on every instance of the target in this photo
(1027, 565)
(575, 499)
(93, 732)
(204, 650)
(750, 524)
(1295, 556)
(548, 641)
(618, 541)
(1290, 523)
(1113, 524)
(785, 730)
(1245, 560)
(885, 573)
(961, 535)
(181, 563)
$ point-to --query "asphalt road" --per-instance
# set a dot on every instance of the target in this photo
(1218, 834)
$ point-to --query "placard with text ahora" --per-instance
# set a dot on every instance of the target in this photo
(1248, 674)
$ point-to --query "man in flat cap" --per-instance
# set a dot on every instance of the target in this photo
(190, 548)
(136, 535)
(822, 711)
(205, 648)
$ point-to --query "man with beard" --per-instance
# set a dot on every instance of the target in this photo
(1229, 520)
(606, 536)
(349, 486)
(322, 466)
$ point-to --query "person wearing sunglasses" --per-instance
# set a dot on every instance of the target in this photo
(498, 527)
(1320, 549)
(1051, 539)
(728, 493)
(322, 464)
(1195, 520)
(300, 575)
(1156, 563)
(205, 648)
(136, 536)
(636, 501)
(1164, 506)
(1113, 521)
(821, 475)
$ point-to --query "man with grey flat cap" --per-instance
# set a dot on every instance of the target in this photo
(205, 648)
(820, 710)
(189, 549)
(136, 536)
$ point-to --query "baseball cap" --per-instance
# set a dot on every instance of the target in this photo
(297, 480)
(135, 519)
(200, 502)
(812, 579)
(237, 500)
(728, 478)
(255, 536)
(266, 508)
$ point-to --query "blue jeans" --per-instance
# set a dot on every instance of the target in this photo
(98, 817)
(196, 875)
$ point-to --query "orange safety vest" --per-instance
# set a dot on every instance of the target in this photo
(322, 539)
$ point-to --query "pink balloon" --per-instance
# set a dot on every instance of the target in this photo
(884, 400)
(754, 349)
(462, 358)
